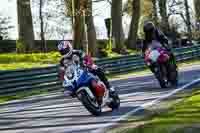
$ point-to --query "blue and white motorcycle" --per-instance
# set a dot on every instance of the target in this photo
(89, 89)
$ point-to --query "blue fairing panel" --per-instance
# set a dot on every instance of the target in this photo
(85, 79)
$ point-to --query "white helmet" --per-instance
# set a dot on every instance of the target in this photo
(65, 48)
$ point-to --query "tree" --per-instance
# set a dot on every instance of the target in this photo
(77, 22)
(83, 11)
(147, 8)
(164, 16)
(188, 21)
(132, 38)
(174, 26)
(197, 11)
(146, 13)
(56, 24)
(155, 12)
(128, 7)
(184, 12)
(25, 25)
(117, 29)
(42, 34)
(5, 26)
(90, 29)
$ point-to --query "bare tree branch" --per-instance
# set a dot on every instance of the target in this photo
(109, 1)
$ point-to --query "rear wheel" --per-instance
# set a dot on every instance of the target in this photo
(115, 103)
(90, 104)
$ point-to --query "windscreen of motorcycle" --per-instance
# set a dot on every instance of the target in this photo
(72, 71)
(69, 70)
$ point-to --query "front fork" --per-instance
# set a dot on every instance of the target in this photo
(160, 68)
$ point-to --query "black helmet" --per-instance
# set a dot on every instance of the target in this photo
(149, 27)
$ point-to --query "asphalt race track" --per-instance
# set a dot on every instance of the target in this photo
(54, 113)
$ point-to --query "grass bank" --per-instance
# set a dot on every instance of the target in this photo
(183, 117)
(19, 61)
(12, 61)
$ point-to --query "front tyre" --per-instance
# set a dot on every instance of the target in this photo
(159, 73)
(90, 104)
(173, 75)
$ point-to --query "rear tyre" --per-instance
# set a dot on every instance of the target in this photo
(90, 104)
(115, 103)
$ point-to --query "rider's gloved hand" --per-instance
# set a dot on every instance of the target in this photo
(87, 60)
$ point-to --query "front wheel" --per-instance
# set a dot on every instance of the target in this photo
(90, 104)
(173, 74)
(161, 76)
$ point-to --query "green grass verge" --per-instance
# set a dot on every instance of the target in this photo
(19, 61)
(52, 57)
(12, 61)
(184, 117)
(21, 65)
(114, 54)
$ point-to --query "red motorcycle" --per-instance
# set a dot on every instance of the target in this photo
(163, 65)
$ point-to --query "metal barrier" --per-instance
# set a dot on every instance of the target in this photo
(28, 79)
(126, 64)
(13, 81)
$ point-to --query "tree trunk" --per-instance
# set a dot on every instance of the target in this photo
(117, 29)
(70, 11)
(155, 12)
(197, 12)
(91, 29)
(132, 38)
(77, 22)
(146, 9)
(78, 33)
(164, 16)
(42, 36)
(188, 21)
(78, 26)
(25, 24)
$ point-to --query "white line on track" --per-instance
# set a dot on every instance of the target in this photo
(145, 105)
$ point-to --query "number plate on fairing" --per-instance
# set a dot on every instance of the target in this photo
(154, 55)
